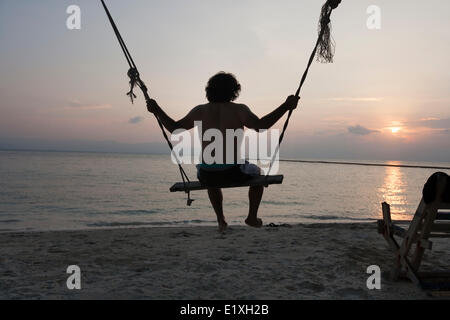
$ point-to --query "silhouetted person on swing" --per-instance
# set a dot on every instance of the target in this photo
(221, 113)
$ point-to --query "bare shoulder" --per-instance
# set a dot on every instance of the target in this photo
(241, 108)
(244, 113)
(199, 109)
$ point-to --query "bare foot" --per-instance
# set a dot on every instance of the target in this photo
(254, 223)
(223, 226)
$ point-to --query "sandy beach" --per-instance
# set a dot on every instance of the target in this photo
(318, 261)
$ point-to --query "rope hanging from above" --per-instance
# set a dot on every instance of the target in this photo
(135, 80)
(323, 50)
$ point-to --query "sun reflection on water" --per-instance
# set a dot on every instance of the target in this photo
(393, 191)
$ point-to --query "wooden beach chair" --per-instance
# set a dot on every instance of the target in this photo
(428, 222)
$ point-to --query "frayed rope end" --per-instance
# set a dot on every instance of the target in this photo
(326, 45)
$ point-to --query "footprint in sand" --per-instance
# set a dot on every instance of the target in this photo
(316, 287)
(182, 234)
(351, 292)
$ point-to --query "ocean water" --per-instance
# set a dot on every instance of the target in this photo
(72, 190)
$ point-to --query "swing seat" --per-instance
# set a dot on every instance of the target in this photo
(255, 181)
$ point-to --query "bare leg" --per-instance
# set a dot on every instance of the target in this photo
(216, 198)
(254, 196)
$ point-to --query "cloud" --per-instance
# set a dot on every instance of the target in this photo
(357, 99)
(135, 120)
(360, 130)
(378, 147)
(76, 104)
(433, 123)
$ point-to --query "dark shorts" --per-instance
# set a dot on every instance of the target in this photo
(217, 178)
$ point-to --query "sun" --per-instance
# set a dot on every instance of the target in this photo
(395, 129)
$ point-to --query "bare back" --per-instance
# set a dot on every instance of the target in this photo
(222, 116)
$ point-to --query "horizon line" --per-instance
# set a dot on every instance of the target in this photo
(307, 160)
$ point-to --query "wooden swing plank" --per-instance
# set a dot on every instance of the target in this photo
(256, 181)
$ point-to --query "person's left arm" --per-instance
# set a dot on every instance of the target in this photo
(250, 120)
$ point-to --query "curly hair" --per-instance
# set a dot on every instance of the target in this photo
(222, 87)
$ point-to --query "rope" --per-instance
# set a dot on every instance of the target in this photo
(367, 164)
(135, 80)
(324, 49)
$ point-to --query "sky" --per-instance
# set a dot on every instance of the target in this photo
(385, 97)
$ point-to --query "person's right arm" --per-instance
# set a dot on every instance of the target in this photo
(170, 124)
(250, 120)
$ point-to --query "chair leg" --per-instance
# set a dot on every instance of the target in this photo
(426, 229)
(396, 269)
(431, 211)
(402, 260)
